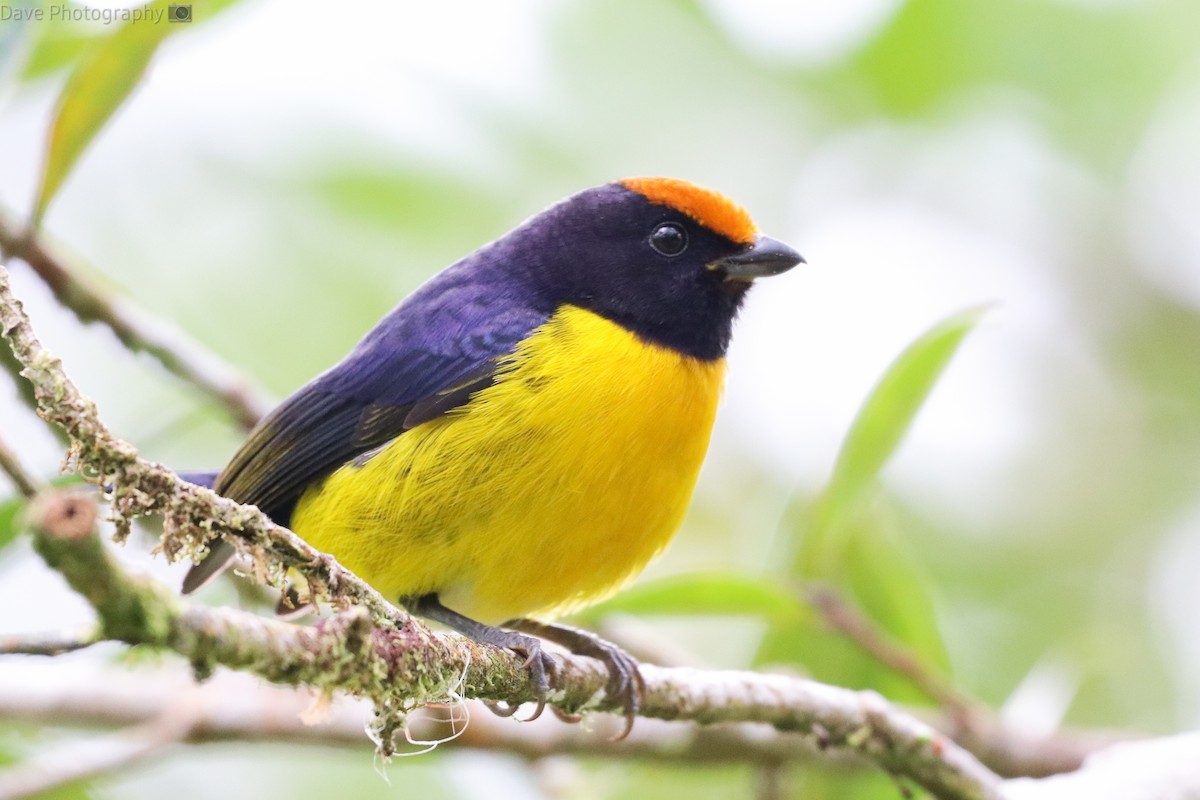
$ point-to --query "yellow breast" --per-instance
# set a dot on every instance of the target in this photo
(545, 492)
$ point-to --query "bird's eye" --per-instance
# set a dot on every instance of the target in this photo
(669, 239)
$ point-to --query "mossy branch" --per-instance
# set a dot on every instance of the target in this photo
(371, 648)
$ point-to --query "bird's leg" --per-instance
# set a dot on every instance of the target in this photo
(541, 664)
(625, 682)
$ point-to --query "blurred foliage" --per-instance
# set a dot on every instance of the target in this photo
(1095, 70)
(14, 749)
(10, 511)
(707, 595)
(57, 44)
(329, 223)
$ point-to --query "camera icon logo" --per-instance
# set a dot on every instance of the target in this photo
(179, 13)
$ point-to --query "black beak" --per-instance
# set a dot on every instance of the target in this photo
(766, 257)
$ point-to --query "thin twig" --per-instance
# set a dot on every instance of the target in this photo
(21, 478)
(54, 643)
(965, 720)
(845, 618)
(136, 329)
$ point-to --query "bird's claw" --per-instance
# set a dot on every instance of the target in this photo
(570, 719)
(625, 684)
(542, 668)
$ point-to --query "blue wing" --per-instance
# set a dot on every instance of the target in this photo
(430, 354)
(427, 356)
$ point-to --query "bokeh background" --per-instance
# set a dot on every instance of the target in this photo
(287, 171)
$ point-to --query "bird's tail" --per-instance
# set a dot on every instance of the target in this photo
(205, 479)
(220, 554)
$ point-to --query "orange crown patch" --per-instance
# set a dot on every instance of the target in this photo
(711, 209)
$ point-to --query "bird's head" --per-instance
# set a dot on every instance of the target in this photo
(666, 259)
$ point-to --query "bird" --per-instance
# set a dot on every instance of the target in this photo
(521, 435)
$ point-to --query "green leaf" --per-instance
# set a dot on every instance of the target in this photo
(888, 412)
(708, 594)
(102, 79)
(20, 738)
(98, 85)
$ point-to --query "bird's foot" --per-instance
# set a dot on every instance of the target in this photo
(541, 665)
(542, 668)
(625, 683)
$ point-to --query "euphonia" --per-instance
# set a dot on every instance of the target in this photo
(523, 433)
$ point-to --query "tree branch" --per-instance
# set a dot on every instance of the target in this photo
(234, 707)
(858, 628)
(91, 302)
(374, 650)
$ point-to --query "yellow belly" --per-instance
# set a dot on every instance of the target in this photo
(545, 492)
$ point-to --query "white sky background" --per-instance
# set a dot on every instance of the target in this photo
(886, 241)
